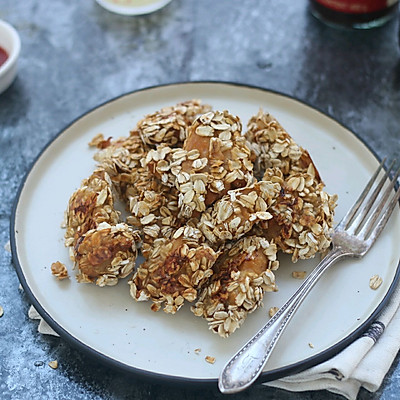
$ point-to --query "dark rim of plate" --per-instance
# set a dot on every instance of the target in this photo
(265, 376)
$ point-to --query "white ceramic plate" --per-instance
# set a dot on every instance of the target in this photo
(109, 324)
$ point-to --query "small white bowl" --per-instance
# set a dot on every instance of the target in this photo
(11, 43)
(133, 7)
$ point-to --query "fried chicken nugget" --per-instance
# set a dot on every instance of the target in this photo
(302, 215)
(174, 271)
(213, 160)
(90, 205)
(121, 160)
(237, 212)
(169, 125)
(241, 276)
(154, 210)
(272, 146)
(102, 248)
(105, 254)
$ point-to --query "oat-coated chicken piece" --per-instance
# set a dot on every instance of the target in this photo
(213, 160)
(238, 211)
(303, 212)
(169, 125)
(174, 271)
(241, 276)
(106, 253)
(121, 160)
(90, 205)
(102, 248)
(218, 138)
(302, 216)
(272, 146)
(153, 210)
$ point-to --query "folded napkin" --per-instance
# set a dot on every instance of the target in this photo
(364, 363)
(43, 326)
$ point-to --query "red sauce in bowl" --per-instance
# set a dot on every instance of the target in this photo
(3, 56)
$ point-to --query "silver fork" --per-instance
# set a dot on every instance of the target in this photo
(352, 237)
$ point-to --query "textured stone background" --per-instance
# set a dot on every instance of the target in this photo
(76, 55)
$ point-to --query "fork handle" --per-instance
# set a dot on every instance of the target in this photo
(247, 364)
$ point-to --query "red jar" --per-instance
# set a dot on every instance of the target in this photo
(361, 14)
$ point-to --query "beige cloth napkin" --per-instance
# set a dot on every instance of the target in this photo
(43, 326)
(364, 363)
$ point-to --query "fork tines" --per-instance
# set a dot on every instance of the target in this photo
(373, 208)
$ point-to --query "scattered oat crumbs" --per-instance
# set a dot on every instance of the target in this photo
(96, 140)
(375, 281)
(64, 222)
(7, 247)
(1, 311)
(299, 274)
(210, 359)
(59, 270)
(197, 351)
(99, 141)
(272, 311)
(311, 345)
(53, 364)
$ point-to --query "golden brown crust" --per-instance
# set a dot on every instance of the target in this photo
(213, 160)
(272, 146)
(153, 210)
(174, 271)
(302, 216)
(169, 125)
(237, 212)
(121, 160)
(241, 275)
(89, 206)
(105, 254)
(102, 248)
